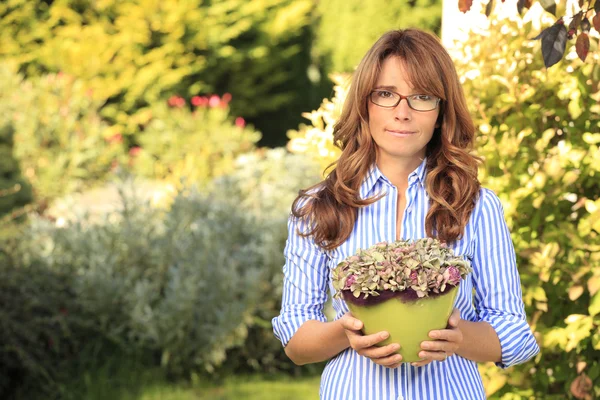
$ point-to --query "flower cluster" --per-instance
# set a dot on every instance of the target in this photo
(425, 266)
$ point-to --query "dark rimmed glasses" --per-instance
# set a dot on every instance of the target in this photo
(418, 102)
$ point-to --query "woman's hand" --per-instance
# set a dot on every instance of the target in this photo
(446, 344)
(365, 344)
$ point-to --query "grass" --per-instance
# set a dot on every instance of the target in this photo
(129, 379)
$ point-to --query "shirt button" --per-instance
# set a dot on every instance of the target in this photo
(400, 397)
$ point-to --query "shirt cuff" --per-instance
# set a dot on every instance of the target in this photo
(516, 339)
(287, 324)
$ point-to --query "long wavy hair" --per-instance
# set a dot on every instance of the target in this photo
(331, 206)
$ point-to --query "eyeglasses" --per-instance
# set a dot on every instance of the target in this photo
(418, 102)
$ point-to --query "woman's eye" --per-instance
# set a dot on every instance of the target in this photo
(384, 93)
(422, 97)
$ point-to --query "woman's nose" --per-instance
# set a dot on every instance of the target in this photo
(402, 110)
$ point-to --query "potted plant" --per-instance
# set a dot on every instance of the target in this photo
(407, 288)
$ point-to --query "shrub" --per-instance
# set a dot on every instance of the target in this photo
(15, 191)
(60, 141)
(539, 137)
(196, 145)
(264, 185)
(336, 41)
(40, 327)
(136, 53)
(177, 282)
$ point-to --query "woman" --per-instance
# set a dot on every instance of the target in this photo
(405, 172)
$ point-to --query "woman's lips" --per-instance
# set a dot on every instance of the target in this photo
(401, 133)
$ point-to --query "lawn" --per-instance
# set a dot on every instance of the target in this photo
(124, 379)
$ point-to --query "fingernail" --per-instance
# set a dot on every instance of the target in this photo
(356, 325)
(433, 335)
(396, 347)
(385, 335)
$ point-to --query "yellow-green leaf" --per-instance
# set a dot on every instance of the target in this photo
(594, 307)
(575, 292)
(593, 285)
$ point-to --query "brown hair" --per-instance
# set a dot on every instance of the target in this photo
(331, 206)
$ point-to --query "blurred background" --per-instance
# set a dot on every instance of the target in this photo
(150, 152)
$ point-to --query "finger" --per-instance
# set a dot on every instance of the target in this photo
(420, 363)
(380, 352)
(388, 361)
(454, 318)
(439, 345)
(351, 323)
(433, 355)
(366, 341)
(449, 335)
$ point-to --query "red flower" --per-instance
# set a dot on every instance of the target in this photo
(176, 101)
(239, 121)
(134, 151)
(226, 98)
(198, 101)
(214, 101)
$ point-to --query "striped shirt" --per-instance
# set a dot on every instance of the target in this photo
(491, 293)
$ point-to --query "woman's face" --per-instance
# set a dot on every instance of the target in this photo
(400, 133)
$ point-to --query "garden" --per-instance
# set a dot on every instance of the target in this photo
(150, 152)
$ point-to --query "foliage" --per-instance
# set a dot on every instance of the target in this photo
(347, 28)
(316, 140)
(554, 38)
(539, 137)
(264, 185)
(177, 143)
(59, 138)
(15, 191)
(174, 282)
(135, 53)
(38, 334)
(419, 268)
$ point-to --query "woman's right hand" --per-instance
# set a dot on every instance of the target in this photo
(365, 344)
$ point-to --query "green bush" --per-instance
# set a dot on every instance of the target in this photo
(138, 52)
(336, 38)
(15, 191)
(264, 185)
(40, 326)
(539, 135)
(60, 140)
(177, 282)
(196, 145)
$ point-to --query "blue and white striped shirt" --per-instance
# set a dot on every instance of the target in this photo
(491, 293)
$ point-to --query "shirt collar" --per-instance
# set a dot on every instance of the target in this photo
(374, 174)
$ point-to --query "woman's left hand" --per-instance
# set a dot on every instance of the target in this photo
(446, 343)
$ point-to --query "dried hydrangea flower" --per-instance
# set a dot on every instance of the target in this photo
(420, 268)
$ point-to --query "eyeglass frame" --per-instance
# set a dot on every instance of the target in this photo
(437, 103)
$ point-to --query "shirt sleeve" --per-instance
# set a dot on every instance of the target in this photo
(305, 283)
(498, 296)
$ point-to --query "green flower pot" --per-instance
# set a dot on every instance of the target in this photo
(407, 323)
